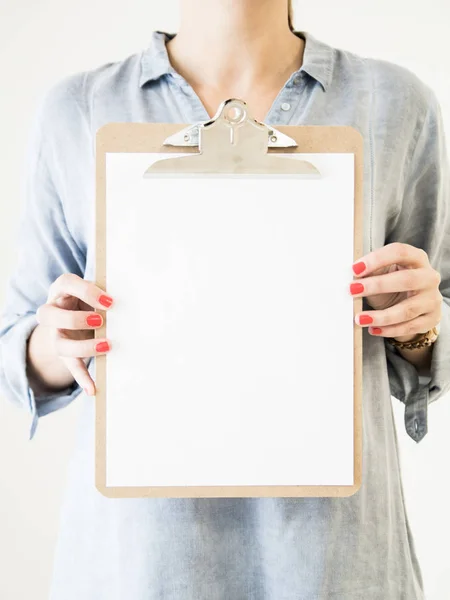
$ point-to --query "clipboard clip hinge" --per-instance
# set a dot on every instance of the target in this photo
(236, 111)
(235, 143)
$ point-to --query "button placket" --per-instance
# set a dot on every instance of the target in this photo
(287, 101)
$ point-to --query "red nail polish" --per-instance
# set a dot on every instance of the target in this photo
(359, 267)
(356, 288)
(102, 347)
(365, 320)
(376, 330)
(105, 300)
(94, 320)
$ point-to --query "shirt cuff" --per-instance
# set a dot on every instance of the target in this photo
(440, 364)
(14, 378)
(418, 392)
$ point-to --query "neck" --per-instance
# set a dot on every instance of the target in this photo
(228, 40)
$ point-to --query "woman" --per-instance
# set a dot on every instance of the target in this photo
(244, 548)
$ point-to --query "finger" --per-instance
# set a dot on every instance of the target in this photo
(49, 315)
(419, 325)
(72, 285)
(67, 347)
(397, 281)
(394, 253)
(404, 311)
(80, 373)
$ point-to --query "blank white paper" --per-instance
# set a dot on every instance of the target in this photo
(232, 329)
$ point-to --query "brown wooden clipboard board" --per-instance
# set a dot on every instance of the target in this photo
(149, 138)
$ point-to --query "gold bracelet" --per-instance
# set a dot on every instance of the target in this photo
(424, 339)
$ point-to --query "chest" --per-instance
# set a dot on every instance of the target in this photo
(301, 101)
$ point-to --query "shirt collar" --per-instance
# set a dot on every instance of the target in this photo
(318, 58)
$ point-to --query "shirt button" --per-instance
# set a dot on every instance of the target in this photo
(285, 106)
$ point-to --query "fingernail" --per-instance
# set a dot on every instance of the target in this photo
(94, 320)
(105, 300)
(356, 288)
(365, 320)
(375, 330)
(102, 347)
(359, 267)
(86, 391)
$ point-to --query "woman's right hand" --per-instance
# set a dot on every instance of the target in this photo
(69, 315)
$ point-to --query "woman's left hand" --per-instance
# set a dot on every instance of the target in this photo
(399, 283)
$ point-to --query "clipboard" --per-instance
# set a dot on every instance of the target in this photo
(248, 434)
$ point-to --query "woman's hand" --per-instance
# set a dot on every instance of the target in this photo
(69, 315)
(402, 288)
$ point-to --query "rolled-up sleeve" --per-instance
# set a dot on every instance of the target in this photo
(424, 222)
(45, 250)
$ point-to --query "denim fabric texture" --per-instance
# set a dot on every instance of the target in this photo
(243, 548)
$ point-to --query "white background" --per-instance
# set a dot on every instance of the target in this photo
(44, 40)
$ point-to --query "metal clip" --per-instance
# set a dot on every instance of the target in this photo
(234, 143)
(189, 136)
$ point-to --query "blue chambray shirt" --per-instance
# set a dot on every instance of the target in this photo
(238, 548)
